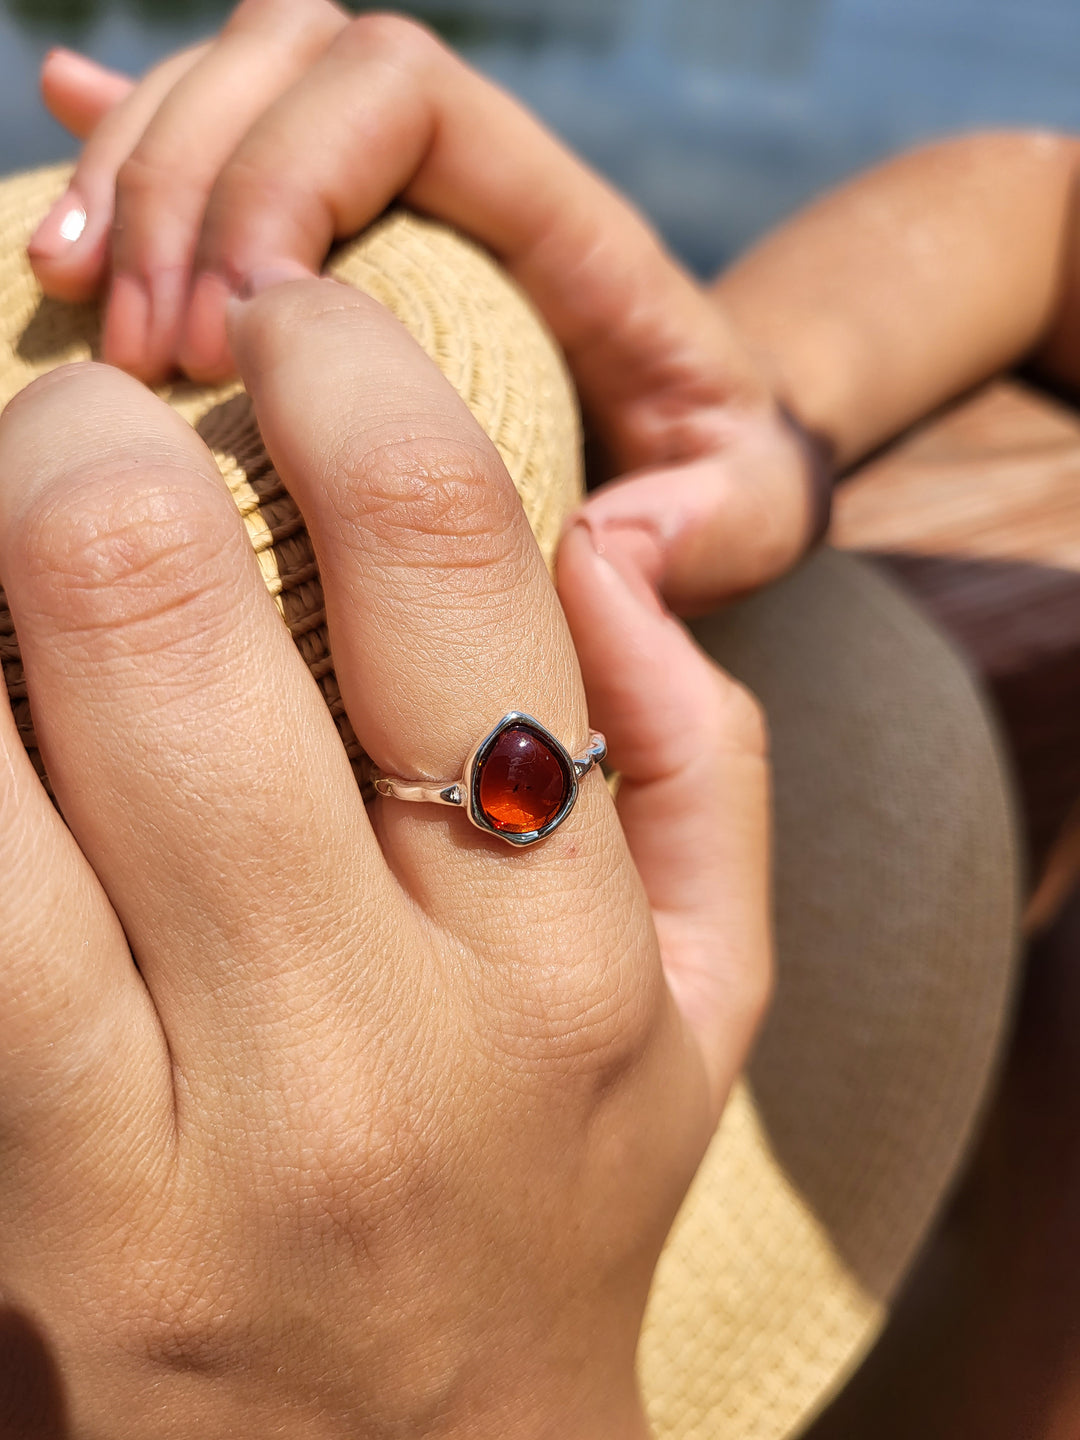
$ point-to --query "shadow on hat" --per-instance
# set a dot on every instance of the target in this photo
(897, 891)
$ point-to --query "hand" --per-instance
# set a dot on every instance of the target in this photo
(298, 125)
(383, 1130)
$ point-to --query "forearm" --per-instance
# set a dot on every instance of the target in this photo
(916, 281)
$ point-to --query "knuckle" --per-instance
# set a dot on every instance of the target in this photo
(120, 552)
(155, 184)
(435, 502)
(253, 180)
(142, 178)
(289, 19)
(394, 38)
(589, 1022)
(276, 11)
(184, 1322)
(159, 178)
(592, 1038)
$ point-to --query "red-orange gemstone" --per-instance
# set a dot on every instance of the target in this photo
(523, 786)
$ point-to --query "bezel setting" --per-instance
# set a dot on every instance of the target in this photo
(466, 793)
(474, 766)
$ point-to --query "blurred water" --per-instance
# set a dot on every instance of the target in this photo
(719, 116)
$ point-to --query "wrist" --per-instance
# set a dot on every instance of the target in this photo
(819, 470)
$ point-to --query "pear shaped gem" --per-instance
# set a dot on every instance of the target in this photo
(523, 783)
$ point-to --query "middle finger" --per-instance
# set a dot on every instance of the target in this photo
(163, 185)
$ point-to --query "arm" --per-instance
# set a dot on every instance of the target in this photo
(916, 281)
(872, 307)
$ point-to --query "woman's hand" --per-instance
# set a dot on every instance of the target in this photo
(298, 125)
(319, 1121)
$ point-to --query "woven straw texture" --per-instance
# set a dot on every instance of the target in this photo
(459, 306)
(896, 919)
(896, 860)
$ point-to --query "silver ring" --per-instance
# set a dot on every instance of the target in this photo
(520, 783)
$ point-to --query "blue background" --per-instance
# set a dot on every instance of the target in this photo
(718, 116)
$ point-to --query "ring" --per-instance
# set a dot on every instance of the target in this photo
(520, 783)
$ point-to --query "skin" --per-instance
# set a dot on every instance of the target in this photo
(885, 299)
(916, 282)
(890, 296)
(383, 1134)
(188, 192)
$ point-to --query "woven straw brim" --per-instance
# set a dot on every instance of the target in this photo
(461, 308)
(897, 913)
(896, 862)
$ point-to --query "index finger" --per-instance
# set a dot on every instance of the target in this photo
(389, 111)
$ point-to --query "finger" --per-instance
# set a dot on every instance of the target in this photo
(83, 1059)
(189, 748)
(78, 91)
(717, 526)
(163, 184)
(389, 111)
(441, 613)
(690, 748)
(69, 248)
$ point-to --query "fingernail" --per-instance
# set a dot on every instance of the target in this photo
(204, 350)
(69, 57)
(73, 58)
(264, 277)
(168, 288)
(127, 324)
(61, 228)
(631, 549)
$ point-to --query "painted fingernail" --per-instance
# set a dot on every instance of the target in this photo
(61, 228)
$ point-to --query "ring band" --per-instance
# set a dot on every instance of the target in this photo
(520, 783)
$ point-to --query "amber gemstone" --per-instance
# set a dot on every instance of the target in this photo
(523, 784)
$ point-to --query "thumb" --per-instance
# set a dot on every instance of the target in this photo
(730, 519)
(689, 744)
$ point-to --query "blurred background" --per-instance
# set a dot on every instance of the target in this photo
(718, 116)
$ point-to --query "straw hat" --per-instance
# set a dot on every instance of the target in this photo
(896, 862)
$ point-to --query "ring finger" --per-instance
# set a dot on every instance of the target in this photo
(442, 615)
